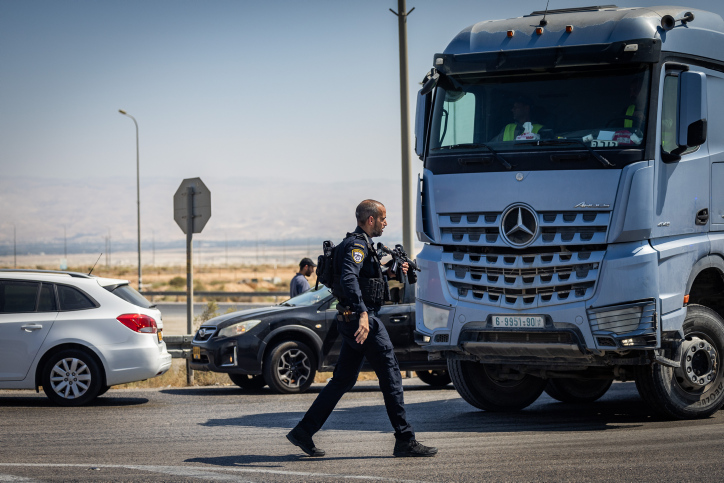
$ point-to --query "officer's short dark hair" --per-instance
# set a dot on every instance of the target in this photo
(366, 209)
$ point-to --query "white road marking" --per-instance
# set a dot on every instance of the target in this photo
(199, 472)
(17, 478)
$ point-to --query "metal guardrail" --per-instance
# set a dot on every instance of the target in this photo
(179, 346)
(181, 293)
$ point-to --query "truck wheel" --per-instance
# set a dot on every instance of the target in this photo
(289, 367)
(480, 385)
(437, 378)
(72, 378)
(577, 391)
(696, 389)
(246, 381)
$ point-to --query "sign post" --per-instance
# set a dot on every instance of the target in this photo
(191, 211)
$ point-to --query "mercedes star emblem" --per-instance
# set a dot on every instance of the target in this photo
(519, 226)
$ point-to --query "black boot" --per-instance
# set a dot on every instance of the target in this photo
(301, 438)
(413, 448)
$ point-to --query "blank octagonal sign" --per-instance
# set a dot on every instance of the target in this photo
(201, 204)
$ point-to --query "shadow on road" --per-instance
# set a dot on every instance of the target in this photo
(40, 401)
(621, 406)
(268, 461)
(316, 389)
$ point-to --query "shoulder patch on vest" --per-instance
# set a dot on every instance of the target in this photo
(359, 245)
(358, 255)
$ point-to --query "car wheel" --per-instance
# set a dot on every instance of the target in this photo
(577, 391)
(437, 377)
(696, 389)
(485, 388)
(72, 378)
(289, 367)
(246, 381)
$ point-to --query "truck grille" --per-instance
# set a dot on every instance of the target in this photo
(556, 228)
(560, 265)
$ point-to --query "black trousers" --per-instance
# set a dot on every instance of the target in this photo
(378, 351)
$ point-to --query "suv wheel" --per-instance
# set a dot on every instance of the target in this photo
(72, 378)
(482, 386)
(246, 381)
(577, 391)
(696, 389)
(289, 367)
(437, 377)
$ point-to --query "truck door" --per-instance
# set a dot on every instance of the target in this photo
(681, 194)
(715, 87)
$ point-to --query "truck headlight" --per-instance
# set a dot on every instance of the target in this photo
(434, 317)
(238, 328)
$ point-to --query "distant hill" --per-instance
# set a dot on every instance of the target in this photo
(243, 210)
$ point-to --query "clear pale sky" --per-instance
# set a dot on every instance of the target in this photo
(291, 92)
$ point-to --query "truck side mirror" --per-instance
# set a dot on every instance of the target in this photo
(421, 117)
(691, 124)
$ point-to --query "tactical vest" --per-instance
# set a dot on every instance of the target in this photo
(374, 289)
(629, 112)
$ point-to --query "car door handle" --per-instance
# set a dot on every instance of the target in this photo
(31, 327)
(398, 319)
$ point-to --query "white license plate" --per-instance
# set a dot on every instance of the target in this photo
(519, 321)
(603, 144)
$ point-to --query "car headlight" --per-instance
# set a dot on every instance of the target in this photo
(238, 328)
(434, 317)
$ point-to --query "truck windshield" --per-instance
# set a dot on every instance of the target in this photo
(500, 117)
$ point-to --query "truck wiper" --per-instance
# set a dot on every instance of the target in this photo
(557, 142)
(480, 145)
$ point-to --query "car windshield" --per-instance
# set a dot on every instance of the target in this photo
(310, 297)
(575, 109)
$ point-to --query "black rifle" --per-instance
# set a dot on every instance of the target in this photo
(399, 256)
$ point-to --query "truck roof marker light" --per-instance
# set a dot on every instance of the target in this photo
(569, 29)
(439, 61)
(511, 33)
(539, 30)
(631, 48)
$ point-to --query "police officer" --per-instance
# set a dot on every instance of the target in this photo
(359, 285)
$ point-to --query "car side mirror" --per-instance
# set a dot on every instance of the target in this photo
(692, 121)
(421, 117)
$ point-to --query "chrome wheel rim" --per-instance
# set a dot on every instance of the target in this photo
(294, 368)
(70, 378)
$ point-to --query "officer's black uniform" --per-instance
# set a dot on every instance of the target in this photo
(360, 279)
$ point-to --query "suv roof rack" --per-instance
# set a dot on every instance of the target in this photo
(58, 272)
(593, 8)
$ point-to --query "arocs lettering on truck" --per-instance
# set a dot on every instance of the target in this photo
(572, 209)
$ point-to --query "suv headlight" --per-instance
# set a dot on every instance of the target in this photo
(434, 317)
(238, 328)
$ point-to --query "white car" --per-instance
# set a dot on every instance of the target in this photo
(76, 335)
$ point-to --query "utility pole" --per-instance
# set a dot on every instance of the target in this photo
(15, 251)
(407, 205)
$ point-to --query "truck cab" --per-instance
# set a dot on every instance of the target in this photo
(570, 209)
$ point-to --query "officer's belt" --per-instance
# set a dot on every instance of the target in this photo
(348, 316)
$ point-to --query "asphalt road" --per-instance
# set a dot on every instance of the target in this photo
(227, 434)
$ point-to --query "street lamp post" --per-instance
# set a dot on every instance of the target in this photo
(138, 200)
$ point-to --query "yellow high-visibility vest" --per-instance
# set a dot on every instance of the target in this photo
(629, 113)
(509, 134)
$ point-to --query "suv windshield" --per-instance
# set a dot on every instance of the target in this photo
(310, 297)
(490, 116)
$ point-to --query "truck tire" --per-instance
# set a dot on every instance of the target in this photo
(696, 389)
(289, 367)
(247, 381)
(577, 391)
(478, 385)
(436, 378)
(72, 377)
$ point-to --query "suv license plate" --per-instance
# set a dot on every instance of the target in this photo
(160, 336)
(519, 322)
(196, 353)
